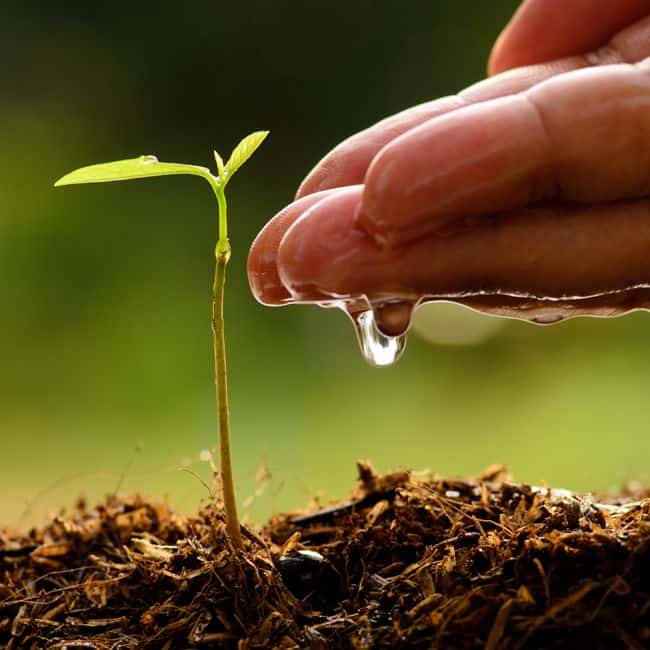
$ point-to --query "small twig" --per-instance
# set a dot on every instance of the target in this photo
(127, 469)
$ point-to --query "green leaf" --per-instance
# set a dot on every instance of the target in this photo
(244, 150)
(123, 170)
(220, 166)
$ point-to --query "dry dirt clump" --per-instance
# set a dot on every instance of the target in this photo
(406, 562)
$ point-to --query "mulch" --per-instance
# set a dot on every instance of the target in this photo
(407, 561)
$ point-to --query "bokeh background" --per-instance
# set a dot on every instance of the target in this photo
(104, 290)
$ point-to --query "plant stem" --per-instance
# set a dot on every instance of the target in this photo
(222, 255)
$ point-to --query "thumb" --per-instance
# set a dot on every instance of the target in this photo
(543, 30)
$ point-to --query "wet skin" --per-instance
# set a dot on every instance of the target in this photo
(532, 184)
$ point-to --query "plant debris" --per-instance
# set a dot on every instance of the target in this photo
(407, 562)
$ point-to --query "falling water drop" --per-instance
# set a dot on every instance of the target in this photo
(377, 348)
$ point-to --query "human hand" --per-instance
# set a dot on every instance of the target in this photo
(534, 182)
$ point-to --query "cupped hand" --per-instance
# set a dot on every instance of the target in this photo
(536, 180)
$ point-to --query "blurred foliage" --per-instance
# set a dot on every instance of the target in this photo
(104, 326)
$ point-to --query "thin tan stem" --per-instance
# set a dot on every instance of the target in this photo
(221, 385)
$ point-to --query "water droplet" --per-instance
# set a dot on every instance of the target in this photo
(393, 318)
(377, 348)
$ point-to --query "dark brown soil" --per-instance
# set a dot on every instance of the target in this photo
(408, 562)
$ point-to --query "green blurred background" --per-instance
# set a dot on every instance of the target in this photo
(104, 290)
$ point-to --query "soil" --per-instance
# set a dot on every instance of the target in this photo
(407, 562)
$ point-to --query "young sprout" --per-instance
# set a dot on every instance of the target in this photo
(149, 166)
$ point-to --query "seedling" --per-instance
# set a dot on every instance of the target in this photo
(149, 166)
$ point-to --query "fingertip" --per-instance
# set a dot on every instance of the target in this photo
(316, 180)
(343, 166)
(317, 253)
(496, 63)
(264, 280)
(500, 58)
